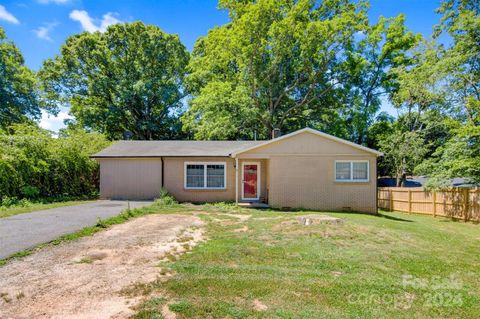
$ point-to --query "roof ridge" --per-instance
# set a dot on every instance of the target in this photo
(159, 148)
(191, 140)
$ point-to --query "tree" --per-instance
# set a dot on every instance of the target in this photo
(18, 94)
(458, 157)
(461, 20)
(380, 47)
(447, 79)
(126, 79)
(275, 65)
(382, 126)
(403, 151)
(418, 85)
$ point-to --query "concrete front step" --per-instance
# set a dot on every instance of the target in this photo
(253, 205)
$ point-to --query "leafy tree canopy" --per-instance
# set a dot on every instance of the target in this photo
(126, 79)
(449, 79)
(276, 65)
(368, 69)
(403, 151)
(18, 94)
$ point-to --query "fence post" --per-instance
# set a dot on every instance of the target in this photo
(390, 199)
(434, 203)
(466, 194)
(409, 201)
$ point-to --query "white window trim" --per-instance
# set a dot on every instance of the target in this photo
(205, 175)
(259, 173)
(351, 180)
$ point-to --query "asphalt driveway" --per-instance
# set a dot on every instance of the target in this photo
(23, 231)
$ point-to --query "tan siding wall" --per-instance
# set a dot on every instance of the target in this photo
(309, 182)
(174, 180)
(130, 178)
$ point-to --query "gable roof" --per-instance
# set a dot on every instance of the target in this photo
(129, 149)
(173, 148)
(309, 130)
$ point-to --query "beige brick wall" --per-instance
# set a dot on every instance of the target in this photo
(304, 144)
(301, 174)
(309, 182)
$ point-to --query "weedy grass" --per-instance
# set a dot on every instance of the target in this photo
(85, 260)
(387, 266)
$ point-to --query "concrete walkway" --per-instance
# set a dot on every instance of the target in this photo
(23, 231)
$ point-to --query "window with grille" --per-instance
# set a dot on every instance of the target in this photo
(351, 171)
(205, 175)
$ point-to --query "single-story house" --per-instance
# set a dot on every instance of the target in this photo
(304, 169)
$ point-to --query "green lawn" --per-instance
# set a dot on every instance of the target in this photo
(15, 210)
(392, 266)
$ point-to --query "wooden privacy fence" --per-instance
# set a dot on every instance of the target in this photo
(460, 203)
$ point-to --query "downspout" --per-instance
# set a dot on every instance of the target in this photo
(236, 180)
(161, 159)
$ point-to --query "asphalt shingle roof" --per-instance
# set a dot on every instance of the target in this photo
(173, 148)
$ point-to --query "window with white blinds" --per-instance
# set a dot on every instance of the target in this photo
(351, 171)
(206, 175)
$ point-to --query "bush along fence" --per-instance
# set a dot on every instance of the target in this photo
(457, 203)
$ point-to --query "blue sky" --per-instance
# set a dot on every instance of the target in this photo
(39, 27)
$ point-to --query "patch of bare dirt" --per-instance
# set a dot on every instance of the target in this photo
(269, 218)
(241, 217)
(314, 219)
(259, 306)
(241, 230)
(167, 313)
(85, 278)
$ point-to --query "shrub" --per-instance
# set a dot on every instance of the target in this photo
(166, 199)
(34, 164)
(30, 192)
(9, 201)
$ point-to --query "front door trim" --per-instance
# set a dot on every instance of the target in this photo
(258, 180)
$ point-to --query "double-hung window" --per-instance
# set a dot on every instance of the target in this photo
(208, 175)
(351, 171)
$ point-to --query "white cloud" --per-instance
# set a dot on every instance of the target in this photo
(7, 16)
(43, 31)
(359, 35)
(53, 1)
(108, 19)
(54, 123)
(88, 23)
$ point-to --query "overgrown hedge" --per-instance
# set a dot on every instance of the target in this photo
(35, 164)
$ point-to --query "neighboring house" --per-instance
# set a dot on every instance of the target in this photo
(304, 169)
(420, 181)
(392, 182)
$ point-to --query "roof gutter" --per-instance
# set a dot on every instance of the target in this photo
(153, 156)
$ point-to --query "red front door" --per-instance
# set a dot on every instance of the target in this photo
(250, 181)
